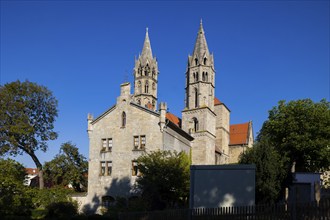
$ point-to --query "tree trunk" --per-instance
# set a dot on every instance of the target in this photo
(41, 178)
(39, 166)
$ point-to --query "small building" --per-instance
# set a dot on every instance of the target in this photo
(32, 177)
(303, 187)
(226, 186)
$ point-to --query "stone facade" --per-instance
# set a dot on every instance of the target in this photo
(134, 125)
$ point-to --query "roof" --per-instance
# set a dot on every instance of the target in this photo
(239, 134)
(201, 49)
(32, 171)
(174, 119)
(217, 101)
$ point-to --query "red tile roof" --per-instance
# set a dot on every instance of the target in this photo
(31, 171)
(174, 119)
(217, 101)
(239, 134)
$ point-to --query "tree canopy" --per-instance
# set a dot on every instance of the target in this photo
(164, 179)
(270, 170)
(27, 115)
(300, 131)
(296, 132)
(68, 167)
(14, 198)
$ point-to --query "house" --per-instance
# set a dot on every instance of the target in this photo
(32, 177)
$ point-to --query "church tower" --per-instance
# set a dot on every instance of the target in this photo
(145, 77)
(198, 117)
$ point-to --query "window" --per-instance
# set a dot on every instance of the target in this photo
(196, 61)
(106, 168)
(143, 141)
(107, 144)
(135, 169)
(123, 119)
(146, 87)
(203, 76)
(196, 79)
(139, 142)
(195, 124)
(204, 60)
(136, 142)
(110, 144)
(196, 98)
(104, 144)
(206, 77)
(109, 168)
(102, 173)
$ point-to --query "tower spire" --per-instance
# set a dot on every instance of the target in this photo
(146, 51)
(201, 49)
(146, 77)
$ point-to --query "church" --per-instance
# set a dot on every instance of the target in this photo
(138, 124)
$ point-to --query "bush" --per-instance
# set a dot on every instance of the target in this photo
(61, 210)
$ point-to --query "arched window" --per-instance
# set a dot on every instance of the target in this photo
(195, 124)
(196, 61)
(203, 76)
(147, 70)
(204, 60)
(206, 77)
(123, 119)
(146, 87)
(196, 77)
(196, 98)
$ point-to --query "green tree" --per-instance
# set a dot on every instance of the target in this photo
(68, 167)
(270, 170)
(14, 196)
(300, 131)
(27, 115)
(164, 179)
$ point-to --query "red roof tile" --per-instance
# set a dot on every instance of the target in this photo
(31, 171)
(239, 134)
(174, 119)
(217, 101)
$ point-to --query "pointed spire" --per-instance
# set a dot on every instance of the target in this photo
(201, 47)
(146, 51)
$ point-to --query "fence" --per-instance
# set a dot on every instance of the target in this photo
(310, 211)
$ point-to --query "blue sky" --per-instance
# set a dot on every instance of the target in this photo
(264, 51)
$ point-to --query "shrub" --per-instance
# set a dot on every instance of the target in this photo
(61, 210)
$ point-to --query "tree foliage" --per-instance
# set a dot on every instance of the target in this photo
(270, 170)
(295, 132)
(164, 179)
(27, 116)
(14, 197)
(68, 167)
(300, 131)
